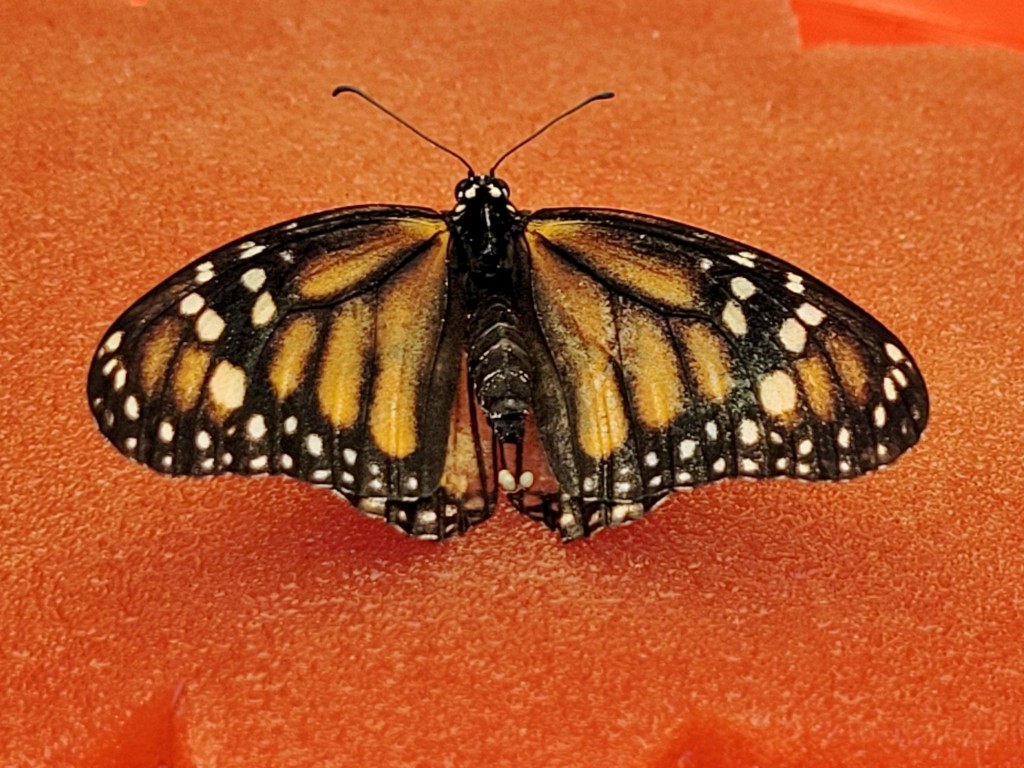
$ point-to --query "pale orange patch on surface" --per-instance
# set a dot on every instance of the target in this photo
(157, 351)
(849, 362)
(409, 317)
(817, 384)
(291, 354)
(621, 257)
(334, 273)
(189, 373)
(709, 361)
(652, 369)
(340, 381)
(576, 317)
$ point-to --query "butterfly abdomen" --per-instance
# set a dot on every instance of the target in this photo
(500, 368)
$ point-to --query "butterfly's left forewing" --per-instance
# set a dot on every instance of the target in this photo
(326, 348)
(671, 357)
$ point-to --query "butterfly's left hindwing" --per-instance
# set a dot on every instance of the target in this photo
(671, 357)
(325, 348)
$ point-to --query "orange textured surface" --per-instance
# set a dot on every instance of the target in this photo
(260, 622)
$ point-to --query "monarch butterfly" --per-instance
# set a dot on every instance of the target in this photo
(371, 349)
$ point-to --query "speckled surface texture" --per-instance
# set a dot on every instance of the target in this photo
(262, 622)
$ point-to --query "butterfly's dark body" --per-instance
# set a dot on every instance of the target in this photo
(371, 349)
(486, 229)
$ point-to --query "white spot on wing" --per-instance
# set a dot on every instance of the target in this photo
(256, 427)
(227, 386)
(734, 319)
(131, 407)
(777, 393)
(209, 326)
(113, 342)
(254, 279)
(793, 335)
(748, 432)
(894, 353)
(191, 304)
(251, 250)
(742, 288)
(263, 309)
(810, 314)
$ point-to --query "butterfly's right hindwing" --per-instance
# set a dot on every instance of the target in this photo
(325, 348)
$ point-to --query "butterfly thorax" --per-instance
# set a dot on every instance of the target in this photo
(486, 227)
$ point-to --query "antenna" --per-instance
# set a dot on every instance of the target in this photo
(365, 97)
(589, 100)
(361, 94)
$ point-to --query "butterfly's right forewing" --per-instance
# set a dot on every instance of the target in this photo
(326, 348)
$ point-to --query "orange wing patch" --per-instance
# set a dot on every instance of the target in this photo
(576, 316)
(651, 367)
(709, 360)
(409, 315)
(817, 384)
(628, 258)
(292, 346)
(189, 373)
(369, 250)
(158, 349)
(340, 383)
(849, 363)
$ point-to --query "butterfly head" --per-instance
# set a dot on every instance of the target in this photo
(479, 190)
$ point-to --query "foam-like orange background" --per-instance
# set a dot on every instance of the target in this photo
(262, 622)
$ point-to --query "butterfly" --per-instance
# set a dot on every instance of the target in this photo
(585, 362)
